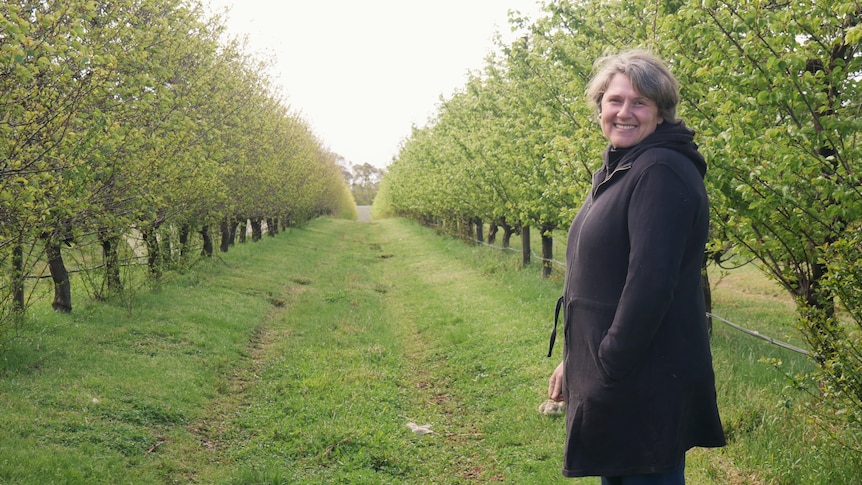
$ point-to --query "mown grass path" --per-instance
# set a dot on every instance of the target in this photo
(380, 328)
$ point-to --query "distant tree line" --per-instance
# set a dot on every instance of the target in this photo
(127, 127)
(363, 180)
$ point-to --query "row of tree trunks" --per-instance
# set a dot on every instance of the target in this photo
(494, 228)
(159, 253)
(156, 253)
(508, 230)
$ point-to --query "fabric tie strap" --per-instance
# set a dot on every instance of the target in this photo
(554, 331)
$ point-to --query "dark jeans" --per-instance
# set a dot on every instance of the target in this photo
(673, 477)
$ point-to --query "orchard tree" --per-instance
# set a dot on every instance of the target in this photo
(466, 130)
(411, 195)
(49, 71)
(548, 134)
(776, 89)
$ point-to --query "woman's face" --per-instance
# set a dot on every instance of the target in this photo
(626, 116)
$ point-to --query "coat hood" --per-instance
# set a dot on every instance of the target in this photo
(673, 136)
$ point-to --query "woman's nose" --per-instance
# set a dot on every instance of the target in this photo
(624, 110)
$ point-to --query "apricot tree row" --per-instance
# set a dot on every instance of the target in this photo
(773, 91)
(140, 116)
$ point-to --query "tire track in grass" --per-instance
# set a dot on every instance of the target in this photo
(300, 413)
(217, 435)
(214, 434)
(427, 331)
(477, 350)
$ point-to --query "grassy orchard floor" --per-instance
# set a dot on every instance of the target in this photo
(302, 358)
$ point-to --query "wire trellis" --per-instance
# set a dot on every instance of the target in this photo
(753, 333)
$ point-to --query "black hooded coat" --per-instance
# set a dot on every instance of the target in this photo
(639, 382)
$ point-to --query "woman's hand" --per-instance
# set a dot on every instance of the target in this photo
(555, 384)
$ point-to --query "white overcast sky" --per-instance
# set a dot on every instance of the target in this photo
(362, 72)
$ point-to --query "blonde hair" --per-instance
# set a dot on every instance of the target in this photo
(648, 74)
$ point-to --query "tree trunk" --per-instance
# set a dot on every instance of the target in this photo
(814, 294)
(224, 227)
(465, 228)
(256, 231)
(507, 234)
(166, 250)
(547, 250)
(525, 246)
(443, 226)
(820, 331)
(184, 240)
(492, 233)
(207, 250)
(62, 289)
(111, 260)
(271, 227)
(480, 227)
(18, 278)
(232, 223)
(243, 230)
(152, 243)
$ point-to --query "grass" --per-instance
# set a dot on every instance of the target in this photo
(301, 359)
(774, 429)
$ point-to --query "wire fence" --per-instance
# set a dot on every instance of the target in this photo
(533, 254)
(753, 333)
(138, 257)
(756, 334)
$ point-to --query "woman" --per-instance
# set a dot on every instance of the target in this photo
(637, 372)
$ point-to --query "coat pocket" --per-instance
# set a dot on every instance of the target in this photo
(586, 324)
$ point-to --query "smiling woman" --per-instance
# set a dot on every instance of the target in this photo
(633, 95)
(636, 373)
(363, 73)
